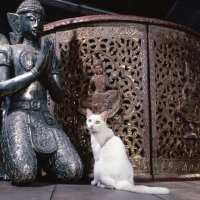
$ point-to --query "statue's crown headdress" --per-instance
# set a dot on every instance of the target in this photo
(96, 61)
(30, 5)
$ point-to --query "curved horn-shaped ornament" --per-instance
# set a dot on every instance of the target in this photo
(14, 22)
(3, 39)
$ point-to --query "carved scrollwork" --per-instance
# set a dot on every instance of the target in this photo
(122, 49)
(169, 50)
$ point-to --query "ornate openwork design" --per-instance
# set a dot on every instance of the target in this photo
(174, 98)
(122, 48)
(145, 65)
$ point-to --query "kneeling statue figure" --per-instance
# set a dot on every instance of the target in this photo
(30, 136)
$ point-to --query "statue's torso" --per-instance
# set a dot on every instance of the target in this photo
(100, 83)
(24, 59)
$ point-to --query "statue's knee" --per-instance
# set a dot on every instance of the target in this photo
(69, 172)
(23, 174)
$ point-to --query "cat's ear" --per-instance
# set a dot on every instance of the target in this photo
(88, 112)
(104, 115)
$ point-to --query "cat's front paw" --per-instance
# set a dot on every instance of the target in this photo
(93, 182)
(101, 185)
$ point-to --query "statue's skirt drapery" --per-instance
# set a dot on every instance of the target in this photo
(30, 134)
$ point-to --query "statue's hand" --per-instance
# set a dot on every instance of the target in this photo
(44, 58)
(115, 85)
(52, 59)
(89, 94)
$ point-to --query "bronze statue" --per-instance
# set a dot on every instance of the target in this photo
(3, 108)
(30, 136)
(189, 103)
(101, 94)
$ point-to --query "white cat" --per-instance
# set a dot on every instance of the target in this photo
(112, 168)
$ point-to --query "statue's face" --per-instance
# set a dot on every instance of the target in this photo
(31, 25)
(99, 69)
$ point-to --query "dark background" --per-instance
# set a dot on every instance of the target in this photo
(185, 12)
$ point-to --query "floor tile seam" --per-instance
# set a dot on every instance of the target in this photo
(158, 197)
(53, 192)
(72, 185)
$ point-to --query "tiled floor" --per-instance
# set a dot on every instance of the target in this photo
(185, 190)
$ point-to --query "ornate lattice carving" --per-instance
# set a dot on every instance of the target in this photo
(123, 49)
(122, 46)
(169, 50)
(101, 93)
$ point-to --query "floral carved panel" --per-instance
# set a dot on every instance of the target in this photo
(122, 49)
(174, 90)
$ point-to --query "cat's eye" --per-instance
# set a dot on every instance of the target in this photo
(97, 122)
(89, 120)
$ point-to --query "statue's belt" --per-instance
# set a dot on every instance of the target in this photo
(29, 105)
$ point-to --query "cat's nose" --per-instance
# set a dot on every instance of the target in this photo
(91, 126)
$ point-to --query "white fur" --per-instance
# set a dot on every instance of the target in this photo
(112, 168)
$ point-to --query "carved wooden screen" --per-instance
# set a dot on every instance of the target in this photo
(153, 70)
(175, 102)
(122, 47)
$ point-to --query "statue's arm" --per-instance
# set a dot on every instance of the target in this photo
(53, 83)
(184, 90)
(108, 83)
(54, 87)
(89, 92)
(9, 85)
(13, 85)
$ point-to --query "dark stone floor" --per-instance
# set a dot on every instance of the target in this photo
(180, 190)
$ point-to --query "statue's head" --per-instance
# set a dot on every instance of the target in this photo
(97, 65)
(28, 20)
(99, 68)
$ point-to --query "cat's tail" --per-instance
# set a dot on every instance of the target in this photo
(124, 185)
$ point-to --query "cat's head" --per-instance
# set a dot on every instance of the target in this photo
(95, 123)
